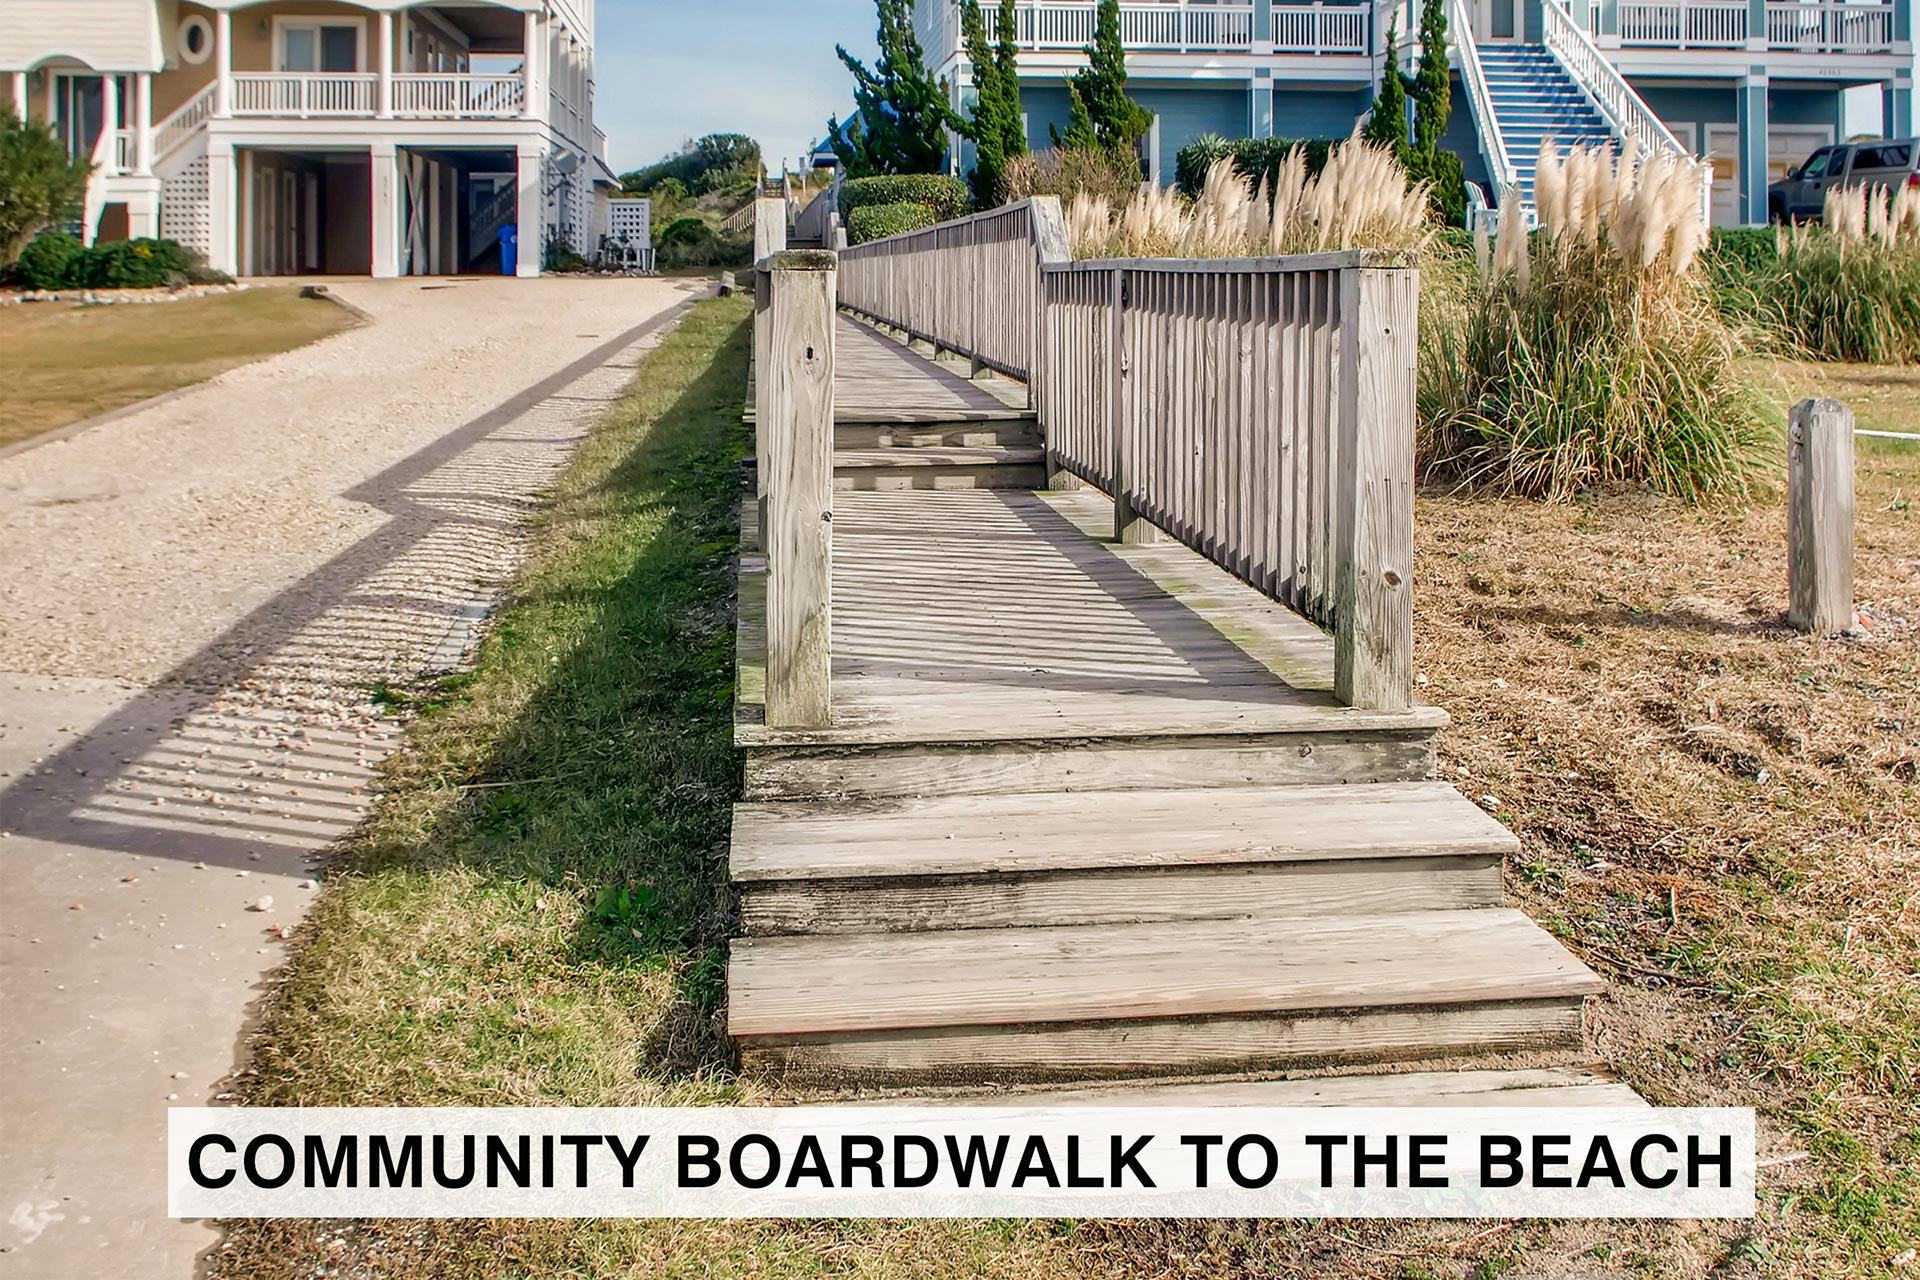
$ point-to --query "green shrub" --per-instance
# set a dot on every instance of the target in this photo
(47, 261)
(878, 221)
(1449, 193)
(132, 264)
(1257, 158)
(696, 242)
(946, 197)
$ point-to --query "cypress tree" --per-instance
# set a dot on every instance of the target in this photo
(1388, 123)
(902, 111)
(997, 131)
(1433, 81)
(1104, 117)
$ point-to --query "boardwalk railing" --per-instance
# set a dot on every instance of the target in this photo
(971, 286)
(1258, 410)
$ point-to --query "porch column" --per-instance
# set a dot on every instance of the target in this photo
(386, 210)
(222, 216)
(532, 215)
(143, 124)
(20, 94)
(434, 265)
(1898, 118)
(384, 99)
(529, 40)
(110, 119)
(1751, 100)
(1260, 103)
(222, 62)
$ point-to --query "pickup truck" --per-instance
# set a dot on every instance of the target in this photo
(1887, 162)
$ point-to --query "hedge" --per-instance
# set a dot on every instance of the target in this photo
(59, 262)
(878, 221)
(945, 197)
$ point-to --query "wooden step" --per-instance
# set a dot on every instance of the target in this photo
(1008, 861)
(1021, 431)
(939, 467)
(1590, 1086)
(1152, 999)
(1311, 754)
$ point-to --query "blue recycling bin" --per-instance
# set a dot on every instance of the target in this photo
(509, 249)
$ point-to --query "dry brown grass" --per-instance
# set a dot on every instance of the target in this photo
(67, 362)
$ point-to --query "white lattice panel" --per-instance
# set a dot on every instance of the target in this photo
(186, 211)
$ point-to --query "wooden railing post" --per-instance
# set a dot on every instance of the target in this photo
(1373, 557)
(769, 227)
(794, 426)
(1820, 516)
(1050, 246)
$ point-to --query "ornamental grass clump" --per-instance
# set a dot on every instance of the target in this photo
(1361, 198)
(1589, 353)
(1850, 289)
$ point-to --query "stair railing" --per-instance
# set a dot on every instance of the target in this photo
(1626, 113)
(1493, 147)
(183, 123)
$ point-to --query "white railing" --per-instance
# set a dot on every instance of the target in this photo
(1694, 24)
(1322, 28)
(289, 93)
(459, 95)
(1493, 146)
(123, 145)
(183, 123)
(1173, 25)
(1829, 26)
(1627, 114)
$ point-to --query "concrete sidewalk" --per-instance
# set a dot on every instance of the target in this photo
(199, 600)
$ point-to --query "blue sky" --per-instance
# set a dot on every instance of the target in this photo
(669, 70)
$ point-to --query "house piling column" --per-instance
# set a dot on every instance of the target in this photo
(110, 120)
(223, 239)
(386, 210)
(1751, 98)
(529, 81)
(223, 62)
(532, 216)
(20, 94)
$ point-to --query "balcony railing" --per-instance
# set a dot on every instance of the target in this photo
(303, 94)
(457, 95)
(437, 95)
(1812, 26)
(1321, 28)
(1697, 24)
(1829, 26)
(1172, 26)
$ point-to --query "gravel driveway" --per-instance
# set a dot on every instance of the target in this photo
(197, 602)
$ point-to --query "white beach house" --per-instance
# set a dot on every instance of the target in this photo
(293, 136)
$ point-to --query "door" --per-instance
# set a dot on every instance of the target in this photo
(292, 223)
(1723, 146)
(1497, 21)
(320, 46)
(79, 107)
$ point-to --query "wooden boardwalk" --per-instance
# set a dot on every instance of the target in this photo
(1088, 810)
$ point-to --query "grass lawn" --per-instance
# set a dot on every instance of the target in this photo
(68, 362)
(1719, 814)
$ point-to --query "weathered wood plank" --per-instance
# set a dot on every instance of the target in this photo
(796, 464)
(815, 984)
(1116, 1050)
(1524, 1087)
(1820, 516)
(1373, 561)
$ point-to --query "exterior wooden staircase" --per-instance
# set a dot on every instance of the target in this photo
(1089, 811)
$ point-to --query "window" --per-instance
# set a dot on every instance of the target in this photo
(195, 40)
(1884, 157)
(1816, 165)
(319, 45)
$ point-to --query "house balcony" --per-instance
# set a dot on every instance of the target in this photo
(1173, 27)
(437, 95)
(1815, 26)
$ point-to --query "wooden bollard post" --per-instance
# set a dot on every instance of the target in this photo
(769, 228)
(795, 430)
(1820, 516)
